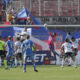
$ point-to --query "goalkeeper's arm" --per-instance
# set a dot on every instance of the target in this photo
(47, 28)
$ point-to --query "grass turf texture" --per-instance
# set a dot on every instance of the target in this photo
(45, 73)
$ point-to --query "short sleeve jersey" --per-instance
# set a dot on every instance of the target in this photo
(67, 47)
(51, 40)
(10, 46)
(18, 45)
(75, 44)
(1, 45)
(27, 46)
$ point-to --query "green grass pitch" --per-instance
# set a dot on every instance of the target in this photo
(48, 72)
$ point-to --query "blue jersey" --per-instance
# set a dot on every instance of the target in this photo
(10, 46)
(27, 46)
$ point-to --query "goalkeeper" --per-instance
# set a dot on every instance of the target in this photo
(51, 40)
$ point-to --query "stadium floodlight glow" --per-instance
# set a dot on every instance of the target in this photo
(40, 25)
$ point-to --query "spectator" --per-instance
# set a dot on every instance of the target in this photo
(29, 21)
(9, 17)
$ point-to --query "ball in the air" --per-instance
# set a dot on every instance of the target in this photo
(45, 25)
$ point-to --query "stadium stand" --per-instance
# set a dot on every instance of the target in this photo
(61, 7)
(45, 7)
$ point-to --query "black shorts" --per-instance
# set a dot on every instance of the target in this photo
(75, 50)
(2, 53)
(68, 54)
(19, 55)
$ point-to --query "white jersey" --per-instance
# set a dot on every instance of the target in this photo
(67, 47)
(23, 35)
(19, 48)
(75, 44)
(17, 34)
(6, 46)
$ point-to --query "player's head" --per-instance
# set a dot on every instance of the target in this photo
(28, 18)
(27, 37)
(73, 39)
(68, 33)
(18, 39)
(54, 34)
(5, 38)
(25, 28)
(9, 37)
(67, 40)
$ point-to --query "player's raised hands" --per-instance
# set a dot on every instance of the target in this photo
(45, 25)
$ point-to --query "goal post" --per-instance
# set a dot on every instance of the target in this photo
(40, 25)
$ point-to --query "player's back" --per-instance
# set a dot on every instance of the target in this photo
(75, 44)
(19, 48)
(27, 45)
(67, 47)
(10, 45)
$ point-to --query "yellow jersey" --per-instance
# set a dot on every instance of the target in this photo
(1, 45)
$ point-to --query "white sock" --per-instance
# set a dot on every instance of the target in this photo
(20, 62)
(76, 59)
(62, 62)
(15, 62)
(70, 61)
(75, 62)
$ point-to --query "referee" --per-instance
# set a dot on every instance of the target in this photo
(2, 54)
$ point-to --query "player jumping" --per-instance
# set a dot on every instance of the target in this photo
(51, 40)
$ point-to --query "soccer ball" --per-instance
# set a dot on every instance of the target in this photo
(45, 25)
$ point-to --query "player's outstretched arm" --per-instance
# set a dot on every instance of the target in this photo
(45, 25)
(47, 28)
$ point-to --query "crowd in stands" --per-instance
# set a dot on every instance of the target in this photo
(12, 18)
(10, 15)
